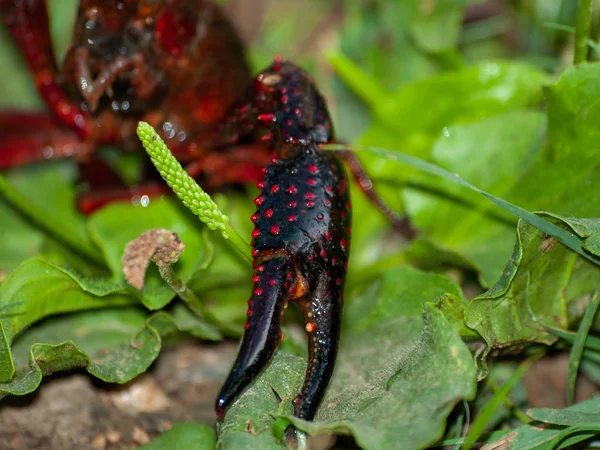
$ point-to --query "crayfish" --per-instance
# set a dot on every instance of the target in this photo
(179, 65)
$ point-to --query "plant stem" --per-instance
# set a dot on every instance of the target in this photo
(239, 243)
(185, 293)
(582, 31)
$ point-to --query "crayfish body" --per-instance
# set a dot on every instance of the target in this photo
(301, 238)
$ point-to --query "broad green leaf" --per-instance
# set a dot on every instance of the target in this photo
(184, 435)
(116, 225)
(20, 239)
(463, 96)
(249, 421)
(42, 289)
(540, 279)
(45, 193)
(391, 364)
(114, 345)
(493, 155)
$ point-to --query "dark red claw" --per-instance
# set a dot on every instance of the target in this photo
(262, 334)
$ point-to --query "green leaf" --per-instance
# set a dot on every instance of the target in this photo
(20, 239)
(533, 292)
(114, 226)
(391, 362)
(538, 436)
(493, 155)
(44, 289)
(45, 193)
(184, 435)
(114, 345)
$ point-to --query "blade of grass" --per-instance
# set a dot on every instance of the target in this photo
(22, 204)
(363, 85)
(579, 343)
(571, 30)
(567, 238)
(498, 399)
(563, 417)
(591, 343)
(575, 429)
(582, 30)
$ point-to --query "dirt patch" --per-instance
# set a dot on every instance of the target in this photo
(74, 411)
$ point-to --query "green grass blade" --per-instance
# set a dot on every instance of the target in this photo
(591, 343)
(567, 238)
(567, 432)
(498, 399)
(579, 343)
(363, 85)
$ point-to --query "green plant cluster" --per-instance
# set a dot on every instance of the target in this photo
(491, 148)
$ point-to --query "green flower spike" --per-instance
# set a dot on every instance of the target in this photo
(188, 191)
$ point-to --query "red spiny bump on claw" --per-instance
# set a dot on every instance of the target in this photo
(260, 185)
(343, 243)
(313, 169)
(328, 235)
(291, 190)
(338, 281)
(327, 202)
(312, 182)
(272, 283)
(291, 218)
(255, 233)
(328, 189)
(275, 230)
(309, 196)
(267, 117)
(254, 217)
(275, 188)
(259, 200)
(258, 291)
(268, 213)
(311, 327)
(255, 279)
(291, 204)
(246, 325)
(255, 252)
(322, 253)
(249, 312)
(310, 204)
(260, 268)
(320, 216)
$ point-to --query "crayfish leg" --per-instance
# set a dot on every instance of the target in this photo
(29, 27)
(32, 137)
